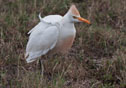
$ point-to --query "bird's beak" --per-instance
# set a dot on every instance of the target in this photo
(83, 20)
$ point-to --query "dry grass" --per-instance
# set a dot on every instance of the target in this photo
(96, 60)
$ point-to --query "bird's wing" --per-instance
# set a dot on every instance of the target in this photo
(41, 26)
(40, 42)
(52, 18)
(45, 22)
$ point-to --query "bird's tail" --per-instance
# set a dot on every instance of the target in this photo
(26, 55)
(28, 58)
(32, 56)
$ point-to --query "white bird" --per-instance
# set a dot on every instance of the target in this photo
(53, 34)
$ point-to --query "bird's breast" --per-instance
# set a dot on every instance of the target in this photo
(65, 44)
(65, 39)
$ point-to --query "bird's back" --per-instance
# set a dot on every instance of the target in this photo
(45, 21)
(52, 18)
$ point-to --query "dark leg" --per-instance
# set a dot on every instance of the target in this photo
(41, 67)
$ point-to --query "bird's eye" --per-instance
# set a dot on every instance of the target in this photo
(74, 17)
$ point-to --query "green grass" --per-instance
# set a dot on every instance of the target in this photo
(96, 60)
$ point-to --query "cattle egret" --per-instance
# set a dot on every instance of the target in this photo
(53, 34)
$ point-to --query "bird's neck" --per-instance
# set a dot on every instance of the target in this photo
(66, 18)
(67, 28)
(66, 22)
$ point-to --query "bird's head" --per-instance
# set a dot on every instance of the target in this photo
(74, 15)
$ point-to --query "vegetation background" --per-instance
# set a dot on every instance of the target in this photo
(96, 60)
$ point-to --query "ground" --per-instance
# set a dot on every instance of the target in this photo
(97, 58)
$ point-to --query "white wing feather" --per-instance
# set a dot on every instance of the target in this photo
(45, 22)
(52, 18)
(41, 26)
(43, 37)
(40, 42)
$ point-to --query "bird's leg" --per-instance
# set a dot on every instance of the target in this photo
(41, 67)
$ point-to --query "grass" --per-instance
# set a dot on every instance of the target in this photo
(96, 60)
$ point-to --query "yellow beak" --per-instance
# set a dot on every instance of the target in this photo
(83, 20)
